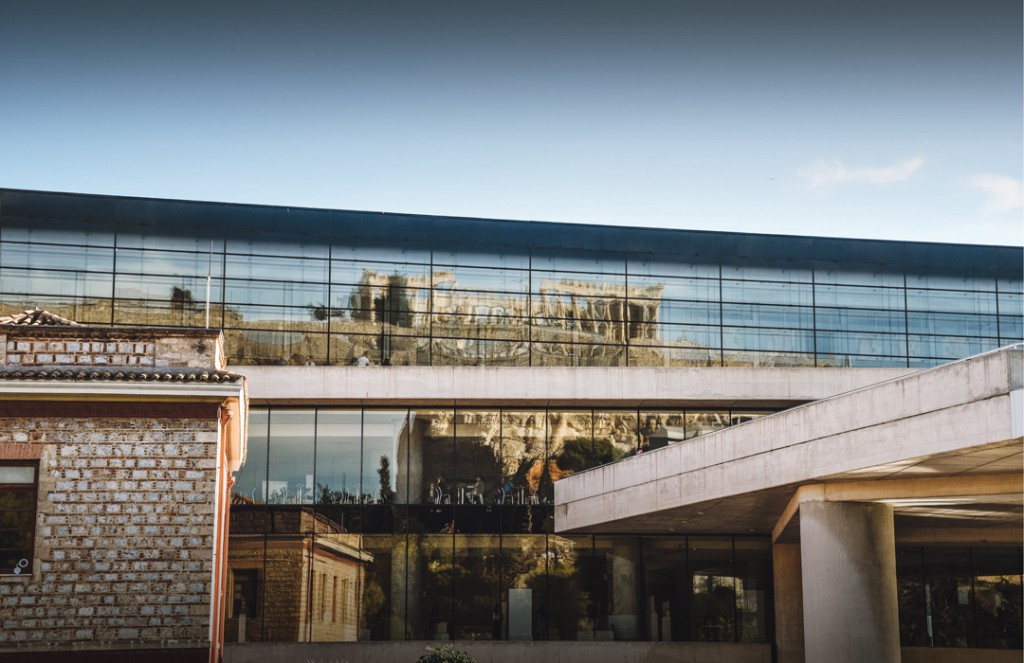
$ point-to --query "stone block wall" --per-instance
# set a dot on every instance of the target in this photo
(124, 526)
(86, 347)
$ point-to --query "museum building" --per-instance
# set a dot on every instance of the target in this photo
(420, 388)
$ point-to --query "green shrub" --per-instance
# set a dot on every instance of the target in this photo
(446, 654)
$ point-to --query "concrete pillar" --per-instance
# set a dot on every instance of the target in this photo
(789, 603)
(848, 564)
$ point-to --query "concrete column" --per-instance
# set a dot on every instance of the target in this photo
(848, 564)
(789, 603)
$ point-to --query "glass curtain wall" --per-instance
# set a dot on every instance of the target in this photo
(960, 596)
(374, 524)
(378, 524)
(315, 287)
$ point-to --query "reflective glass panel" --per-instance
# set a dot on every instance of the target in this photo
(759, 292)
(998, 597)
(290, 458)
(1011, 328)
(619, 609)
(279, 293)
(661, 428)
(252, 477)
(576, 354)
(861, 343)
(713, 584)
(524, 589)
(478, 460)
(860, 320)
(55, 256)
(656, 287)
(867, 278)
(910, 596)
(675, 356)
(948, 596)
(756, 315)
(382, 608)
(949, 347)
(385, 478)
(753, 588)
(768, 339)
(702, 422)
(477, 571)
(843, 296)
(337, 457)
(163, 313)
(950, 282)
(766, 359)
(654, 267)
(66, 284)
(337, 566)
(574, 583)
(951, 300)
(431, 571)
(571, 447)
(272, 347)
(766, 273)
(432, 457)
(617, 428)
(523, 456)
(666, 589)
(676, 312)
(957, 324)
(1011, 304)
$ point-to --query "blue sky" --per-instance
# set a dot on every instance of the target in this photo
(891, 120)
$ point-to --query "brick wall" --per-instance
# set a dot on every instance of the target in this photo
(124, 539)
(100, 347)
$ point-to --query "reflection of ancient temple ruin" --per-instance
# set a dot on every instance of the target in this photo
(606, 312)
(294, 576)
(567, 315)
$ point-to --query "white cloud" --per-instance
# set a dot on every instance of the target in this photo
(1004, 193)
(825, 172)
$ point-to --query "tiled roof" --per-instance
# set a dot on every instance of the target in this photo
(118, 375)
(36, 317)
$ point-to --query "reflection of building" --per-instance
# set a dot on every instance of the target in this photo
(308, 566)
(522, 358)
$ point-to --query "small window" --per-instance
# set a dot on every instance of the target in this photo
(246, 592)
(17, 516)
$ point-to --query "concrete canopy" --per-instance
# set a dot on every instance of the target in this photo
(942, 446)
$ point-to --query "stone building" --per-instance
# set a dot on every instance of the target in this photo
(115, 452)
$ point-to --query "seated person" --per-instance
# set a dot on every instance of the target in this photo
(475, 491)
(505, 491)
(437, 491)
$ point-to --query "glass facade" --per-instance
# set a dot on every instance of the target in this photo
(440, 521)
(302, 286)
(960, 596)
(437, 523)
(407, 524)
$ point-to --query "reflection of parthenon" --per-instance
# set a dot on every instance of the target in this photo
(601, 309)
(609, 312)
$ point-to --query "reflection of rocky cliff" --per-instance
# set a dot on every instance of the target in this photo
(530, 448)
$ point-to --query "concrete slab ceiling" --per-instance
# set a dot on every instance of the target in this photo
(949, 423)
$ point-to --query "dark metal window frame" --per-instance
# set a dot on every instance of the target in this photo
(33, 489)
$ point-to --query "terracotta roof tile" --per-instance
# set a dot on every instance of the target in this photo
(36, 317)
(118, 375)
